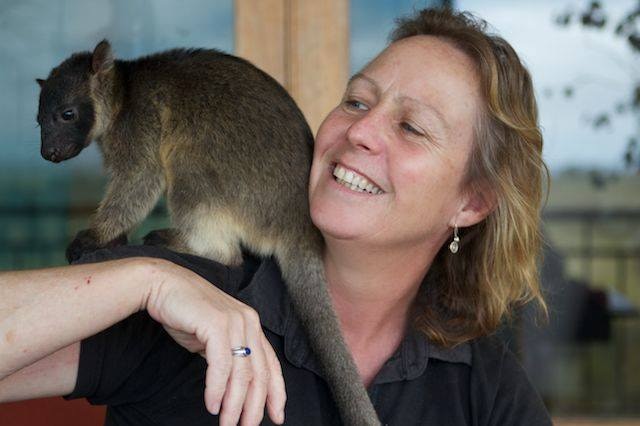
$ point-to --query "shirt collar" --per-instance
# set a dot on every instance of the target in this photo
(265, 291)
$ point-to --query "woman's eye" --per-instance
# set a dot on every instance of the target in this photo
(356, 105)
(409, 128)
(68, 115)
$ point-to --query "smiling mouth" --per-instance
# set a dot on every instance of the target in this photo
(354, 181)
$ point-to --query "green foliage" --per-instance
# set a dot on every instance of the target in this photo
(594, 16)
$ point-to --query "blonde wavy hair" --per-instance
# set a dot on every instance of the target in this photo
(468, 294)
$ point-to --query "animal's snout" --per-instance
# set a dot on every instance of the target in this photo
(52, 154)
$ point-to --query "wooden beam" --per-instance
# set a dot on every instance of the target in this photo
(303, 44)
(260, 35)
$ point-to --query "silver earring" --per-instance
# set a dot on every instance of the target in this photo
(455, 244)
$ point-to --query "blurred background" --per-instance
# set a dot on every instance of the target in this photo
(585, 62)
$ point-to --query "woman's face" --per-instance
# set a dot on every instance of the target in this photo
(389, 160)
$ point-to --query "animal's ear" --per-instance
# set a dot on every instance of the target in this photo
(40, 82)
(102, 58)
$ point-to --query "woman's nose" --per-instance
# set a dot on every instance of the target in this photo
(368, 133)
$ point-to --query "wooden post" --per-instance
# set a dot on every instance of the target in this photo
(260, 35)
(303, 44)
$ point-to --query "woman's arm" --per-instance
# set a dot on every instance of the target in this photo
(53, 375)
(45, 310)
(44, 313)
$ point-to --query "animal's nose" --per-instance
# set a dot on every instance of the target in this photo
(53, 154)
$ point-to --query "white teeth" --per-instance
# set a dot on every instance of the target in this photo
(348, 176)
(354, 181)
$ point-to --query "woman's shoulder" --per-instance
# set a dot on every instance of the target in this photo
(491, 358)
(501, 388)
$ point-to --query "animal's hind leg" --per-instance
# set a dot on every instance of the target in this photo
(212, 233)
(205, 224)
(167, 237)
(200, 231)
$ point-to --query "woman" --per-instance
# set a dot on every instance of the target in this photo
(426, 185)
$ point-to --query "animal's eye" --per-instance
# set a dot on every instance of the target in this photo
(68, 115)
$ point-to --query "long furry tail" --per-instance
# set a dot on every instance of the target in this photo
(303, 272)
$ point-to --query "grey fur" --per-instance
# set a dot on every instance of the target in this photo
(231, 150)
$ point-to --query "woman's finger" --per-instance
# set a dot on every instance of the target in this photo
(218, 370)
(276, 392)
(253, 410)
(239, 380)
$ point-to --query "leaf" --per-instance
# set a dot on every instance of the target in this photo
(568, 91)
(601, 120)
(631, 152)
(634, 41)
(595, 16)
(564, 19)
(635, 102)
(628, 158)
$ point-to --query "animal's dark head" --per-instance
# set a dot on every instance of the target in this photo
(67, 109)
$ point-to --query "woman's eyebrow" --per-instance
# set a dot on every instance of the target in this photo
(361, 76)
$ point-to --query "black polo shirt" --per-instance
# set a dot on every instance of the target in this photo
(145, 378)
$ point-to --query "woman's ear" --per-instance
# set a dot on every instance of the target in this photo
(477, 204)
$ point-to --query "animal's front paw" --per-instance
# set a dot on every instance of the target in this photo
(86, 242)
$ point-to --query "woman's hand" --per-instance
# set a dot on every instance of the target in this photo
(204, 319)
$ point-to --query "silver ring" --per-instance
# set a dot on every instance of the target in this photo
(241, 351)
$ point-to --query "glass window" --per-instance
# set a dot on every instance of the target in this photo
(585, 362)
(43, 204)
